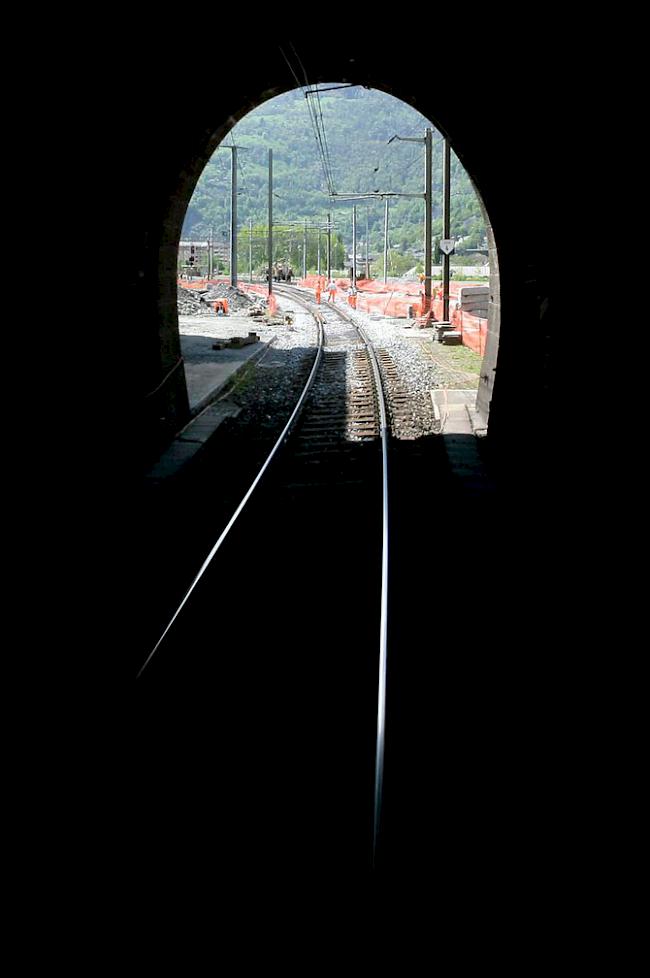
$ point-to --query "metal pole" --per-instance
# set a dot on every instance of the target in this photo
(233, 218)
(446, 207)
(270, 241)
(210, 258)
(428, 214)
(304, 251)
(329, 247)
(250, 249)
(354, 246)
(318, 266)
(367, 264)
(386, 239)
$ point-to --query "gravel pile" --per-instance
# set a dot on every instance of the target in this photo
(237, 301)
(189, 302)
(195, 302)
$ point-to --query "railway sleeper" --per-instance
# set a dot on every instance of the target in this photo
(318, 424)
(317, 454)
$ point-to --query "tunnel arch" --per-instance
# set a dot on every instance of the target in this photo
(175, 408)
(136, 140)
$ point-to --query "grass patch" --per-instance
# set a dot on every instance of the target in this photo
(462, 358)
(462, 365)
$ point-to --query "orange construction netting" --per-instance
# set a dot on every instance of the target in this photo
(406, 300)
(394, 299)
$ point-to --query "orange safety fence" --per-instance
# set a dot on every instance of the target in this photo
(474, 332)
(198, 283)
(394, 299)
(311, 281)
(253, 287)
(406, 300)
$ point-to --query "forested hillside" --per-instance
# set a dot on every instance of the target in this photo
(356, 126)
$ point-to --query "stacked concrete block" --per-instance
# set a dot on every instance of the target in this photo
(474, 299)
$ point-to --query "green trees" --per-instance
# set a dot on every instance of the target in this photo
(252, 249)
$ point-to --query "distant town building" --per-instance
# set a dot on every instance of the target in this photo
(195, 255)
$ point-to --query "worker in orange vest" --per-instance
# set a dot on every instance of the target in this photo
(318, 292)
(331, 291)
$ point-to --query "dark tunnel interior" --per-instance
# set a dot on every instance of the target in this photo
(492, 687)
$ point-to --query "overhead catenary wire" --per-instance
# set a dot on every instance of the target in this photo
(322, 122)
(319, 134)
(307, 93)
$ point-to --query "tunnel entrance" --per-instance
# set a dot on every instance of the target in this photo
(451, 646)
(349, 164)
(383, 247)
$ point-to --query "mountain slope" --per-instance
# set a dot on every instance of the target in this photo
(354, 129)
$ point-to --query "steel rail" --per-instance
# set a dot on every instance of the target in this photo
(285, 434)
(383, 626)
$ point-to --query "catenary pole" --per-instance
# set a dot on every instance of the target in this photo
(428, 214)
(446, 209)
(233, 217)
(270, 236)
(250, 249)
(329, 247)
(386, 239)
(426, 196)
(367, 261)
(354, 246)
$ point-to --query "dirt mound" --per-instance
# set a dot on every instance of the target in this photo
(189, 302)
(193, 302)
(237, 301)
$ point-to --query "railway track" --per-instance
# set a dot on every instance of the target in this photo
(343, 414)
(347, 413)
(259, 723)
(326, 481)
(261, 718)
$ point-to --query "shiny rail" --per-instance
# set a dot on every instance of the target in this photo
(286, 431)
(383, 626)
